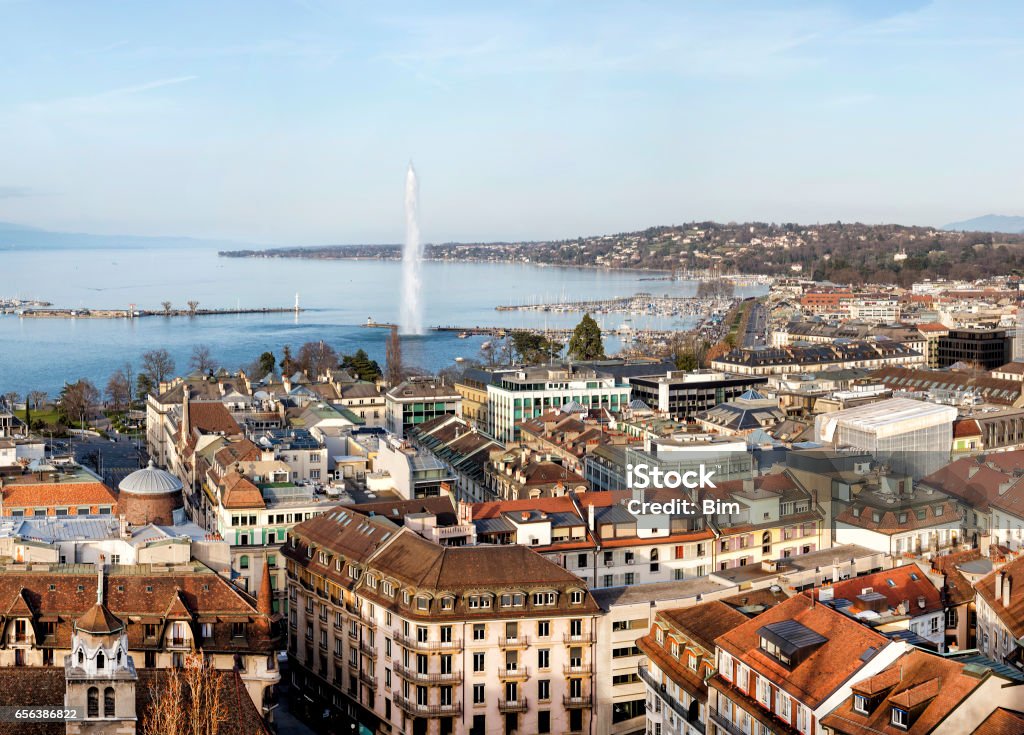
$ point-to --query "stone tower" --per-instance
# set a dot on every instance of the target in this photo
(99, 674)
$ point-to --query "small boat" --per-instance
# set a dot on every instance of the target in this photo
(486, 345)
(460, 359)
(463, 335)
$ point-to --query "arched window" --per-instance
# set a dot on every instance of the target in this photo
(243, 562)
(92, 702)
(118, 656)
(100, 660)
(108, 702)
(766, 542)
(81, 656)
(654, 555)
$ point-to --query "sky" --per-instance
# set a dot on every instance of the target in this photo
(292, 123)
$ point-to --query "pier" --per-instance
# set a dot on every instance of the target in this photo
(64, 313)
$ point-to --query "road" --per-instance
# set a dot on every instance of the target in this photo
(757, 326)
(112, 460)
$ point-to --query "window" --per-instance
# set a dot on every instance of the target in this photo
(764, 691)
(543, 658)
(576, 597)
(92, 708)
(108, 702)
(479, 631)
(544, 689)
(544, 629)
(861, 704)
(479, 662)
(478, 694)
(900, 718)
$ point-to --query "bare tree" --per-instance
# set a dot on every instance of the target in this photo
(192, 306)
(167, 307)
(11, 398)
(393, 356)
(316, 358)
(187, 701)
(158, 364)
(202, 361)
(119, 390)
(37, 398)
(78, 401)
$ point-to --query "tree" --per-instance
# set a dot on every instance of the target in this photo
(192, 306)
(393, 358)
(202, 361)
(317, 358)
(167, 307)
(361, 366)
(11, 399)
(144, 385)
(158, 364)
(288, 365)
(187, 701)
(532, 349)
(119, 391)
(78, 401)
(586, 343)
(37, 398)
(267, 363)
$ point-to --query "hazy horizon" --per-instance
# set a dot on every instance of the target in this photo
(278, 124)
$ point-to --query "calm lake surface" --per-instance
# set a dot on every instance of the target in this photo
(338, 297)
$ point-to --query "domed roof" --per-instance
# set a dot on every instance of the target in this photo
(150, 481)
(99, 621)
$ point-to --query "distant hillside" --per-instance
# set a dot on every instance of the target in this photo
(989, 223)
(16, 237)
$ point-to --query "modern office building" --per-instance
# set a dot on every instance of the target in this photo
(416, 401)
(985, 348)
(530, 391)
(683, 395)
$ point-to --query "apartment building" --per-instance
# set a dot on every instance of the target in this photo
(679, 653)
(785, 669)
(167, 612)
(408, 636)
(766, 361)
(682, 395)
(1000, 607)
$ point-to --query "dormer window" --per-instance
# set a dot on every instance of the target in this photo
(447, 603)
(900, 718)
(576, 597)
(861, 704)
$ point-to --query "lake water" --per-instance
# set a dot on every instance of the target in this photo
(339, 296)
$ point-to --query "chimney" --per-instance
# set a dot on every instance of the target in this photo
(590, 516)
(999, 583)
(1007, 583)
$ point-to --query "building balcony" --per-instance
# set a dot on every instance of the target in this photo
(580, 702)
(410, 707)
(578, 638)
(578, 669)
(724, 723)
(519, 641)
(414, 676)
(514, 672)
(368, 648)
(368, 678)
(512, 705)
(411, 642)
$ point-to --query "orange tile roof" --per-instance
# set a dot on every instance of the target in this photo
(847, 648)
(50, 494)
(1002, 722)
(1013, 616)
(925, 683)
(898, 585)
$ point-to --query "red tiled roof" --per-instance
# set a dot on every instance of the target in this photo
(1011, 616)
(1002, 722)
(50, 494)
(927, 684)
(847, 648)
(897, 585)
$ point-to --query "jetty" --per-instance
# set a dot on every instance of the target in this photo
(132, 313)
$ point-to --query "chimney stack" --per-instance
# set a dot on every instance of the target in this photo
(1007, 583)
(999, 583)
(590, 516)
(186, 424)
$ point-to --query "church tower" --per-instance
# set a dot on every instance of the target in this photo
(99, 674)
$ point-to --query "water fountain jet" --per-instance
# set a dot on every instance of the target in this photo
(411, 321)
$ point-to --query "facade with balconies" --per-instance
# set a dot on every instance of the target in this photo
(392, 630)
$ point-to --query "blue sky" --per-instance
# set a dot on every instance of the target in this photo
(293, 122)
